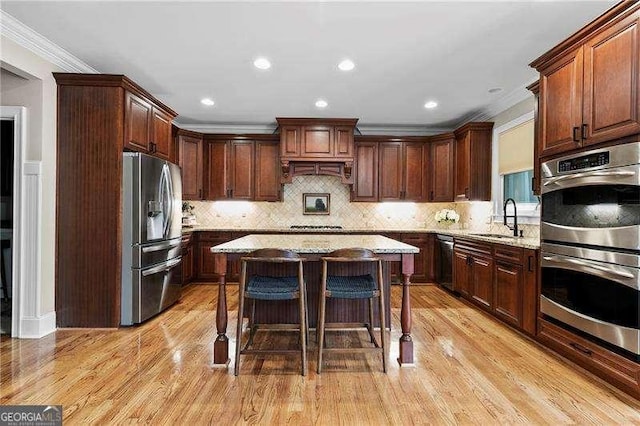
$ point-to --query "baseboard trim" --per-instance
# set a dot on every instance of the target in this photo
(35, 328)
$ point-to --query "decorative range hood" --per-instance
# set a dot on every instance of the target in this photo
(317, 146)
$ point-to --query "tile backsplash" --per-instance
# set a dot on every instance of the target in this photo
(384, 216)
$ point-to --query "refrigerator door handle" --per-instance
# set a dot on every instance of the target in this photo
(161, 246)
(166, 198)
(168, 265)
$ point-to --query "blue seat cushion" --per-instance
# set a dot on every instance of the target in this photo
(355, 287)
(272, 288)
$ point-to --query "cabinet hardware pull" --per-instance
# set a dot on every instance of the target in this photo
(581, 348)
(431, 196)
(575, 134)
(585, 127)
(466, 193)
(530, 263)
(200, 193)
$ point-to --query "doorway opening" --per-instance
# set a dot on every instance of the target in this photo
(7, 132)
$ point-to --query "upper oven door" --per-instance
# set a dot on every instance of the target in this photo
(598, 207)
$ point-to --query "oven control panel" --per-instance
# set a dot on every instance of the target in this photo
(585, 162)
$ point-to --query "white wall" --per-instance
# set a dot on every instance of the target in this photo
(39, 96)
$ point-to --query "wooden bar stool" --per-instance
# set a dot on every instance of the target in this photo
(266, 287)
(352, 287)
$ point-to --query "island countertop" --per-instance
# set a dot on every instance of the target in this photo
(314, 243)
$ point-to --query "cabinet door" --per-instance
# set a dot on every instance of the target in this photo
(482, 280)
(366, 173)
(267, 181)
(137, 129)
(442, 170)
(241, 170)
(343, 142)
(317, 141)
(216, 186)
(187, 264)
(161, 135)
(508, 292)
(561, 104)
(530, 292)
(611, 72)
(461, 272)
(463, 145)
(421, 272)
(390, 171)
(206, 264)
(415, 169)
(190, 161)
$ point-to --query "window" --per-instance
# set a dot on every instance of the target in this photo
(518, 186)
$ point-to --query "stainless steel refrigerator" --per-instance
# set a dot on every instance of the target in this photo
(152, 226)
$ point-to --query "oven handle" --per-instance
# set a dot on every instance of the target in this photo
(589, 265)
(551, 181)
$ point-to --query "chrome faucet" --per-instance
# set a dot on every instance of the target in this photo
(515, 216)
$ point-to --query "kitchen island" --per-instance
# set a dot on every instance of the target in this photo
(312, 247)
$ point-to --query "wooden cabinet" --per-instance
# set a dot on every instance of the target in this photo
(423, 266)
(205, 259)
(240, 168)
(190, 160)
(501, 279)
(365, 187)
(267, 171)
(535, 180)
(403, 171)
(188, 271)
(147, 127)
(98, 116)
(473, 162)
(589, 88)
(441, 167)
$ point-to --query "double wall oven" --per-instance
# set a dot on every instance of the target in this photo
(590, 247)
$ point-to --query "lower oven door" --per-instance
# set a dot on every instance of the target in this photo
(595, 291)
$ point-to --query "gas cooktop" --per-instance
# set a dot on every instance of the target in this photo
(321, 227)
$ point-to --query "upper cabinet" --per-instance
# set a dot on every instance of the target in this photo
(473, 162)
(190, 160)
(441, 166)
(365, 186)
(240, 168)
(147, 126)
(317, 140)
(589, 84)
(535, 180)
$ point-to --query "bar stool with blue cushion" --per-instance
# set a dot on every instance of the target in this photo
(268, 287)
(351, 287)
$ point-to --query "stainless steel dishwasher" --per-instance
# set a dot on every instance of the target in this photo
(444, 261)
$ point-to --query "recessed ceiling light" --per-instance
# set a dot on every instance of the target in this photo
(262, 63)
(431, 104)
(495, 90)
(346, 65)
(207, 102)
(321, 103)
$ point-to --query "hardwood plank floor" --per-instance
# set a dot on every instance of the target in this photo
(469, 369)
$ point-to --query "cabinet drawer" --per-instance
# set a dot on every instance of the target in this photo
(508, 253)
(218, 237)
(606, 364)
(473, 247)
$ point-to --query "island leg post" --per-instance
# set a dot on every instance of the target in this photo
(406, 342)
(221, 344)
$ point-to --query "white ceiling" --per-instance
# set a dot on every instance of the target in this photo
(405, 54)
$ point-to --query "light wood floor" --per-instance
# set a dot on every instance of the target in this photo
(469, 369)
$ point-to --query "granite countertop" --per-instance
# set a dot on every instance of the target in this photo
(529, 243)
(314, 243)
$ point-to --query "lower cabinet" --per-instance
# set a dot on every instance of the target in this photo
(205, 262)
(501, 279)
(424, 271)
(187, 258)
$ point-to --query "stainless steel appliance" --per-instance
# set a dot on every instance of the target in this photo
(152, 227)
(590, 247)
(444, 261)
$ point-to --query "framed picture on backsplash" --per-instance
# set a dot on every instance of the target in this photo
(316, 203)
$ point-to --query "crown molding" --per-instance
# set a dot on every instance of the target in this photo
(266, 128)
(21, 34)
(502, 104)
(407, 130)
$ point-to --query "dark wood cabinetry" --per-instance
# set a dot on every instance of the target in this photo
(191, 162)
(365, 187)
(240, 168)
(441, 166)
(147, 126)
(473, 162)
(188, 270)
(589, 86)
(501, 279)
(403, 170)
(535, 180)
(424, 271)
(205, 259)
(98, 116)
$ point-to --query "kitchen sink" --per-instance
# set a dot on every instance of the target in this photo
(494, 235)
